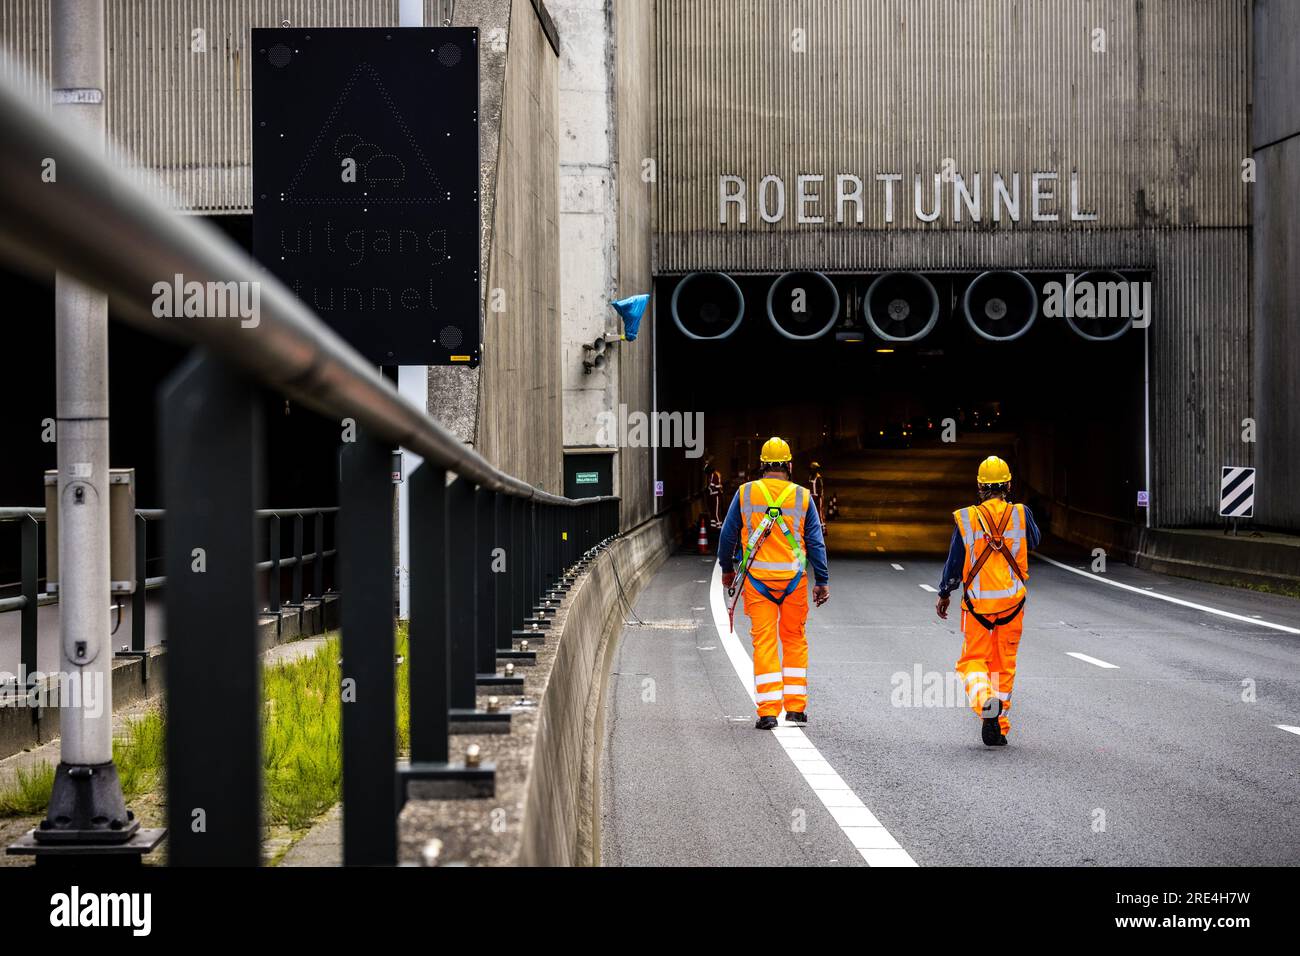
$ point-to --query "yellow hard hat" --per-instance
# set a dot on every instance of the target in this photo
(774, 449)
(815, 465)
(993, 471)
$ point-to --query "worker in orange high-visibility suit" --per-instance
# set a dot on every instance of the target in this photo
(774, 524)
(989, 558)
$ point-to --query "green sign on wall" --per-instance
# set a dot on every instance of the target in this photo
(587, 478)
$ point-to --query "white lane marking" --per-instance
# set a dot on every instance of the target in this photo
(1092, 660)
(926, 587)
(1288, 728)
(1170, 599)
(897, 567)
(868, 836)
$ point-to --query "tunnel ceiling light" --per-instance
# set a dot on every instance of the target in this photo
(851, 336)
(884, 351)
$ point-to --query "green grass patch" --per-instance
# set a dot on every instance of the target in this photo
(301, 736)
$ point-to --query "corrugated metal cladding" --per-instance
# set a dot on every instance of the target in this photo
(185, 114)
(1155, 127)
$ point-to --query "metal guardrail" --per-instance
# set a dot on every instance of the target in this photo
(30, 563)
(489, 553)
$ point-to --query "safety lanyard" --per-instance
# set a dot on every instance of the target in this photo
(994, 541)
(774, 515)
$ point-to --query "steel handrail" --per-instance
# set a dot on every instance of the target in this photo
(97, 224)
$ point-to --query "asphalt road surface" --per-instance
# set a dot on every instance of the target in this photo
(1173, 755)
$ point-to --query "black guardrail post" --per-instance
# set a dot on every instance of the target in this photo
(432, 557)
(365, 545)
(31, 560)
(318, 568)
(517, 562)
(427, 643)
(485, 638)
(460, 592)
(139, 599)
(500, 579)
(211, 482)
(296, 593)
(273, 585)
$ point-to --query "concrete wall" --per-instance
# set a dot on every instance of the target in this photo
(1156, 127)
(1275, 238)
(634, 101)
(186, 117)
(606, 118)
(513, 413)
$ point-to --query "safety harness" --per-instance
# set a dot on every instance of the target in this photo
(994, 542)
(772, 518)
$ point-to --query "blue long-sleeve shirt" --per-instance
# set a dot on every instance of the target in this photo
(950, 580)
(814, 544)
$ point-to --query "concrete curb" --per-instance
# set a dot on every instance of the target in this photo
(560, 811)
(543, 810)
(1201, 556)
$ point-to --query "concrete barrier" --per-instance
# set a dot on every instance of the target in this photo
(1269, 560)
(543, 811)
(559, 819)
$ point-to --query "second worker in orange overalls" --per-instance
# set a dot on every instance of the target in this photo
(775, 525)
(989, 561)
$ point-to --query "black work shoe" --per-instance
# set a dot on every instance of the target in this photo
(766, 723)
(796, 716)
(990, 728)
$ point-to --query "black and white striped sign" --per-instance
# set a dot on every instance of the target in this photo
(1237, 492)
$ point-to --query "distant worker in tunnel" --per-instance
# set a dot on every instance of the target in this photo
(715, 496)
(817, 486)
(989, 559)
(773, 523)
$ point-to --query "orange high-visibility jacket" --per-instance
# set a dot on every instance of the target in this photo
(776, 560)
(996, 587)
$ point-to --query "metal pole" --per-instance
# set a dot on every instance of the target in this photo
(430, 653)
(461, 574)
(31, 601)
(298, 556)
(365, 546)
(485, 638)
(139, 598)
(413, 384)
(211, 481)
(500, 577)
(318, 571)
(86, 788)
(273, 587)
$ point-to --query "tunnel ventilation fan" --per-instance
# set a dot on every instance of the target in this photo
(803, 305)
(708, 306)
(1094, 328)
(1000, 306)
(901, 306)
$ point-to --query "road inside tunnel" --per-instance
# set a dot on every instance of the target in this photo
(899, 427)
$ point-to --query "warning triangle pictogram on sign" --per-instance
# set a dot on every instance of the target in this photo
(390, 167)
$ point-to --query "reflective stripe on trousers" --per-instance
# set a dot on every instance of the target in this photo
(780, 649)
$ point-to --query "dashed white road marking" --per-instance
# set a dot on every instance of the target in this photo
(926, 587)
(897, 567)
(1166, 597)
(1288, 728)
(867, 834)
(1092, 660)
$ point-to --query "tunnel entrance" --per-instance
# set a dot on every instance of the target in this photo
(899, 409)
